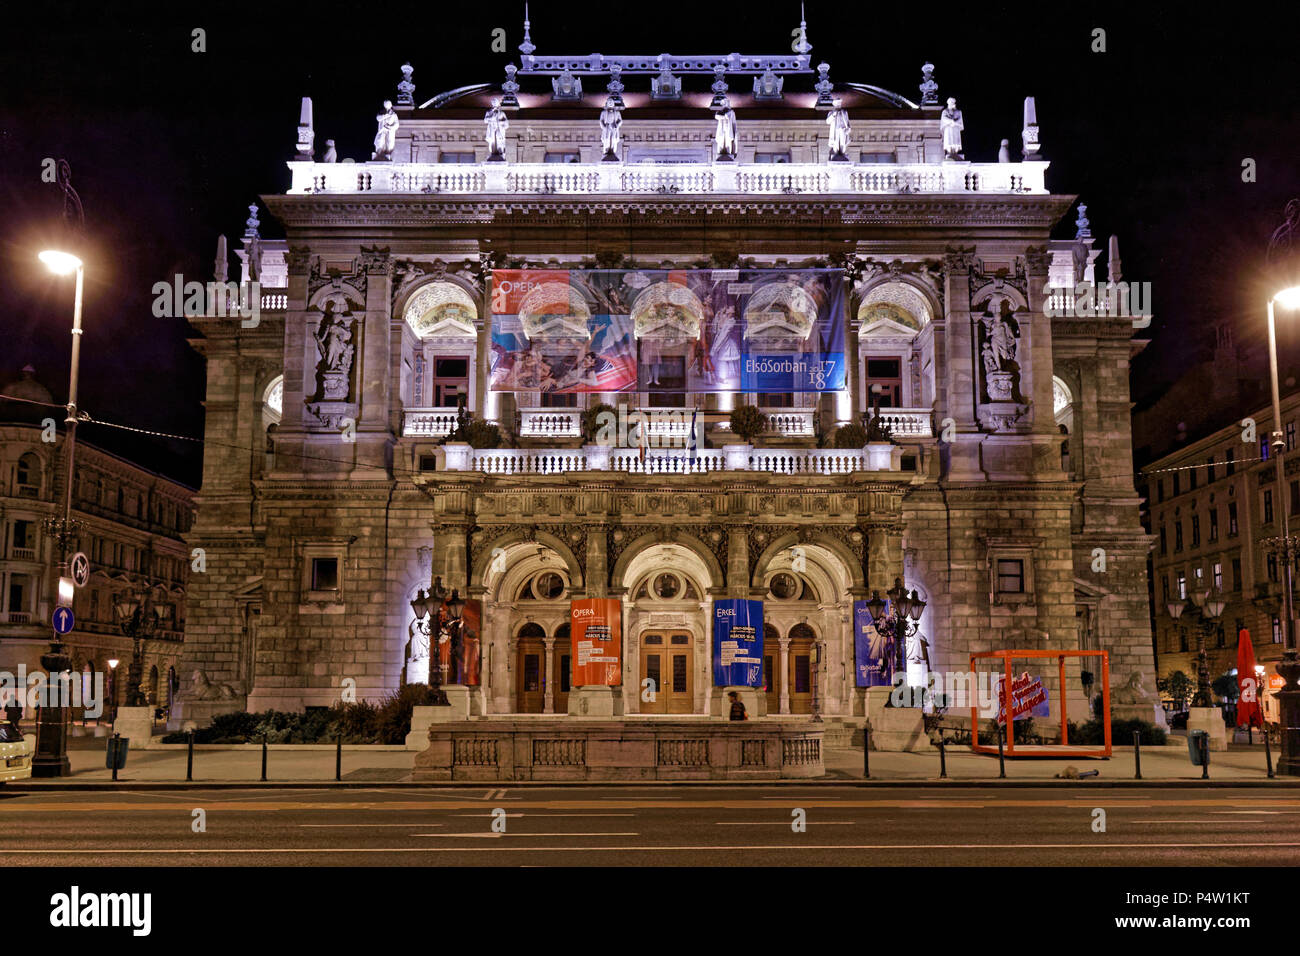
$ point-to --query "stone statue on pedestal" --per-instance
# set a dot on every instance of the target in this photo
(497, 124)
(725, 136)
(386, 136)
(611, 129)
(838, 121)
(951, 125)
(334, 340)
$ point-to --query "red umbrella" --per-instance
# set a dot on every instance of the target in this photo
(1248, 709)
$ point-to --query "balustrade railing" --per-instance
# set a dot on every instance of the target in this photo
(428, 422)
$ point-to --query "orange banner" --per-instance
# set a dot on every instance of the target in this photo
(596, 629)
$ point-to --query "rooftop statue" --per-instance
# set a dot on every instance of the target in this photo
(725, 136)
(386, 137)
(611, 129)
(838, 121)
(331, 154)
(566, 86)
(665, 86)
(929, 88)
(497, 124)
(951, 125)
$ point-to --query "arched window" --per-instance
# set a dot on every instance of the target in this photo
(27, 476)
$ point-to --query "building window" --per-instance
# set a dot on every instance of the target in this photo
(1191, 479)
(450, 157)
(1290, 435)
(20, 594)
(1178, 536)
(1221, 639)
(1263, 449)
(777, 157)
(1182, 639)
(1182, 586)
(1214, 524)
(1209, 469)
(1272, 567)
(1011, 576)
(562, 156)
(1198, 573)
(1268, 507)
(324, 574)
(1232, 519)
(1229, 461)
(1277, 630)
(450, 382)
(1177, 485)
(876, 158)
(1160, 489)
(1218, 576)
(884, 382)
(1164, 588)
(1164, 542)
(1236, 574)
(1295, 497)
(1196, 531)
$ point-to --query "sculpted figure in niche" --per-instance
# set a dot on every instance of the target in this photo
(334, 339)
(951, 124)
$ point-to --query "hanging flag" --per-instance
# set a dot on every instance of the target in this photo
(1249, 712)
(692, 436)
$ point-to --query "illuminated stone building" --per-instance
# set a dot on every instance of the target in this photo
(329, 498)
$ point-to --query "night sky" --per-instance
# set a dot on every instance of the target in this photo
(169, 146)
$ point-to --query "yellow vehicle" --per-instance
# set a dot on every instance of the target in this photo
(15, 753)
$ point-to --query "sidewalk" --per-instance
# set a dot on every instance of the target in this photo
(362, 765)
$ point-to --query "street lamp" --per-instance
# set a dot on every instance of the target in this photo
(139, 618)
(112, 684)
(51, 758)
(1284, 546)
(1210, 606)
(899, 619)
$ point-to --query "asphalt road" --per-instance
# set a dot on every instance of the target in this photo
(643, 826)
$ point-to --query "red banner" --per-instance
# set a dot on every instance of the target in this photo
(1248, 681)
(596, 629)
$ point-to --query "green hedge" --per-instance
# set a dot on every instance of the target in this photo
(361, 723)
(1121, 733)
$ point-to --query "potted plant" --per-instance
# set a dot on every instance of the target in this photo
(747, 423)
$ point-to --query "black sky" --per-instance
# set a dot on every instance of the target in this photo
(169, 146)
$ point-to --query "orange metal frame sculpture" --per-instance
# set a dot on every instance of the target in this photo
(1063, 749)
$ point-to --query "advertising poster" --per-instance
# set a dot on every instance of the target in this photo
(668, 331)
(596, 633)
(1028, 698)
(737, 643)
(871, 664)
(471, 640)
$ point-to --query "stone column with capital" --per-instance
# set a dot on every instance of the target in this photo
(1036, 373)
(372, 379)
(783, 701)
(548, 696)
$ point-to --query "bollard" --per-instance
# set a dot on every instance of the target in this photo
(263, 757)
(943, 761)
(338, 759)
(1268, 752)
(117, 745)
(189, 760)
(1002, 760)
(1137, 755)
(866, 752)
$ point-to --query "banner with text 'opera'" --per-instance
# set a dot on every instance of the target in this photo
(737, 643)
(596, 632)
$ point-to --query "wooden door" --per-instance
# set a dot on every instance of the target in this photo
(667, 660)
(530, 676)
(801, 665)
(772, 669)
(562, 664)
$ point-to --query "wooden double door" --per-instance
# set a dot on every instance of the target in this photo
(668, 663)
(530, 683)
(798, 670)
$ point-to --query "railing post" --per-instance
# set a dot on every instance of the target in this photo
(338, 758)
(1002, 760)
(866, 751)
(1268, 751)
(264, 757)
(1137, 755)
(189, 759)
(943, 760)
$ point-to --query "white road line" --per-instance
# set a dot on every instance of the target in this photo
(525, 834)
(335, 826)
(544, 815)
(784, 823)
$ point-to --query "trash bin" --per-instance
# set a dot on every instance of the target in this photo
(1198, 747)
(117, 747)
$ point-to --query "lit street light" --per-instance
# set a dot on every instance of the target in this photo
(52, 728)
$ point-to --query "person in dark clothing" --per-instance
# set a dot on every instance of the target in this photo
(737, 708)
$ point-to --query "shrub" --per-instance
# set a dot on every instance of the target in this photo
(849, 436)
(591, 420)
(747, 423)
(1121, 733)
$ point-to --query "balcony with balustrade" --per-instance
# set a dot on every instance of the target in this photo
(687, 179)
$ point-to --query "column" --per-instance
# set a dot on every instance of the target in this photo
(548, 696)
(963, 452)
(784, 701)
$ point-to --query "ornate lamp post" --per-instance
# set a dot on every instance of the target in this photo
(112, 686)
(1209, 605)
(424, 606)
(898, 619)
(138, 618)
(1283, 244)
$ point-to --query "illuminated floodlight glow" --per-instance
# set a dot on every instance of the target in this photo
(60, 263)
(1288, 298)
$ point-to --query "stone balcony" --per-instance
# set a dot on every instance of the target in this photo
(679, 178)
(457, 456)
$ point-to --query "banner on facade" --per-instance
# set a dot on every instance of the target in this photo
(667, 331)
(737, 643)
(873, 666)
(1028, 698)
(596, 633)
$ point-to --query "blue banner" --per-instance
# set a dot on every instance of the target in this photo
(737, 643)
(872, 666)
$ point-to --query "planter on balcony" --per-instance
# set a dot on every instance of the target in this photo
(883, 456)
(459, 455)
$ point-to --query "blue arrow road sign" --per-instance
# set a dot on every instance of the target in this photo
(63, 620)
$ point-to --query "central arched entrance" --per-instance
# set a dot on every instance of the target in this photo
(667, 672)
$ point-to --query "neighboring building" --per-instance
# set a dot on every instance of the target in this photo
(1213, 503)
(328, 499)
(131, 527)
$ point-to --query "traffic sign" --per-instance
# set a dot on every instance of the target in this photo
(63, 620)
(79, 567)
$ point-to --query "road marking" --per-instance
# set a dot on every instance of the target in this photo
(785, 823)
(525, 834)
(335, 826)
